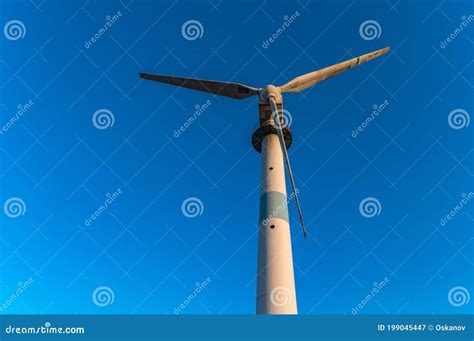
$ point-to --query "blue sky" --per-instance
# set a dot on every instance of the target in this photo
(415, 161)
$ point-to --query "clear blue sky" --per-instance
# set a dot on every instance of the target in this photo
(142, 247)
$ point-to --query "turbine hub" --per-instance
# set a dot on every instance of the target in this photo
(270, 91)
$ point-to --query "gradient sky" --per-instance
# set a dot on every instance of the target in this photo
(142, 247)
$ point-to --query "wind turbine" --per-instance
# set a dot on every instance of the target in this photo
(276, 284)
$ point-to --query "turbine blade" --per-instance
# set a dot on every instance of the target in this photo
(276, 118)
(310, 79)
(232, 90)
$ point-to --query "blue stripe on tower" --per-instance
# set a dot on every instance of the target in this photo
(273, 205)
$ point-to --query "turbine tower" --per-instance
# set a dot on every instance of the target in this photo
(276, 292)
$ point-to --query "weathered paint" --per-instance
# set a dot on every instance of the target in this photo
(273, 204)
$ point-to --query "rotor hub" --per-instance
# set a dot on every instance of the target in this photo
(270, 91)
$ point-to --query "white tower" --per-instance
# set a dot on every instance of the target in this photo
(275, 279)
(276, 292)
